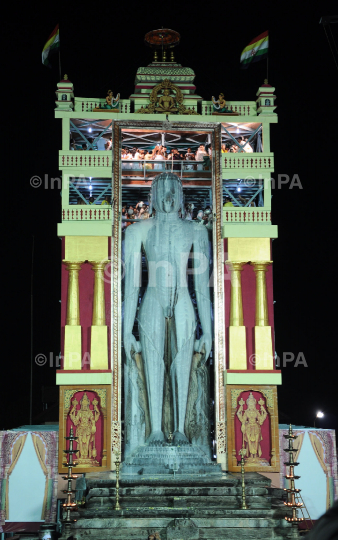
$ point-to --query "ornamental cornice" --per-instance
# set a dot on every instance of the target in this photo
(170, 70)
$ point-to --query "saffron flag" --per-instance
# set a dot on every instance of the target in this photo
(256, 50)
(53, 43)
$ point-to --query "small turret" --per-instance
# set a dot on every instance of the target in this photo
(266, 99)
(64, 95)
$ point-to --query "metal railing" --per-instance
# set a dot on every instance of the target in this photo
(151, 167)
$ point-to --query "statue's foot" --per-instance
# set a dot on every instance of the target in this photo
(179, 439)
(155, 438)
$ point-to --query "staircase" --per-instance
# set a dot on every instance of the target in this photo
(189, 507)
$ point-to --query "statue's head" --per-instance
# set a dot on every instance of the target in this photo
(167, 193)
(166, 92)
(251, 401)
(85, 402)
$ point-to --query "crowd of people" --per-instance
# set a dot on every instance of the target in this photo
(162, 153)
(132, 214)
(157, 157)
(234, 148)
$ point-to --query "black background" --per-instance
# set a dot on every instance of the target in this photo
(102, 47)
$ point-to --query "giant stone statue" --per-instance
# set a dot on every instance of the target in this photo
(166, 317)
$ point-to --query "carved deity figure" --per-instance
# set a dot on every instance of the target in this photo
(166, 316)
(111, 102)
(219, 105)
(252, 419)
(85, 421)
(166, 103)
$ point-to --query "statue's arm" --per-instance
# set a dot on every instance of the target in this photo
(133, 242)
(73, 416)
(202, 289)
(262, 415)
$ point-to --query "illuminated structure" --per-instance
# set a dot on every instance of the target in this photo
(231, 176)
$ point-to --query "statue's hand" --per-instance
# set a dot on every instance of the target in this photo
(131, 346)
(203, 345)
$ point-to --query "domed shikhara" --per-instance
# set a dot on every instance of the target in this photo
(156, 39)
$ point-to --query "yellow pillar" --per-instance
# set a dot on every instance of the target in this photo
(72, 343)
(237, 333)
(99, 330)
(263, 337)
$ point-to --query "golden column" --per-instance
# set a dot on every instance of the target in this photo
(263, 337)
(237, 334)
(99, 330)
(72, 344)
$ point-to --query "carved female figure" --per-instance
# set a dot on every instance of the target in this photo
(219, 105)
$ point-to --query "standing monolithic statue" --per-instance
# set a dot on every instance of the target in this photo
(166, 317)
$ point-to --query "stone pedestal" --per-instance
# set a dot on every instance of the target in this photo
(170, 460)
(186, 507)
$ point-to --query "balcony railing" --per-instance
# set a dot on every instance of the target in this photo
(88, 105)
(246, 215)
(86, 213)
(186, 170)
(85, 158)
(247, 161)
(243, 108)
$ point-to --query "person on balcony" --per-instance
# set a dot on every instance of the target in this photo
(247, 146)
(200, 155)
(158, 156)
(245, 201)
(227, 202)
(189, 156)
(101, 143)
(106, 201)
(176, 157)
(147, 157)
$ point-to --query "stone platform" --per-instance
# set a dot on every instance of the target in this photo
(166, 459)
(189, 507)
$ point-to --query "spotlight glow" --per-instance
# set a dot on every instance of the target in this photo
(320, 414)
(90, 130)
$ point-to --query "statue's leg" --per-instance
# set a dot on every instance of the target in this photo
(152, 336)
(185, 326)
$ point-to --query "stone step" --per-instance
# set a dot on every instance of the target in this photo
(163, 503)
(254, 528)
(108, 479)
(177, 491)
(205, 534)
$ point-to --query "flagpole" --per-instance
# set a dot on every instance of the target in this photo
(267, 67)
(60, 59)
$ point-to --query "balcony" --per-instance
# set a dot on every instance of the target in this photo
(242, 108)
(88, 105)
(86, 213)
(83, 159)
(246, 215)
(242, 161)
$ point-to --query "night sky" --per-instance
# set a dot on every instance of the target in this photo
(102, 47)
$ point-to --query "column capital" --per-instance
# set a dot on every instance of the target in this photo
(235, 265)
(99, 265)
(73, 265)
(260, 266)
